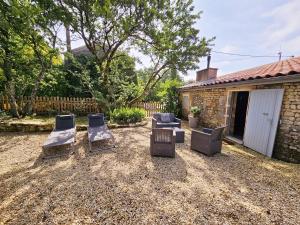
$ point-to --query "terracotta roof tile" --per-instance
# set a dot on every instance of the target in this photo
(281, 68)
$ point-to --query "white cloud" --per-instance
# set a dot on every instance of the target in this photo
(229, 48)
(292, 45)
(285, 24)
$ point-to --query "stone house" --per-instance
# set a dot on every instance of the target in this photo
(259, 106)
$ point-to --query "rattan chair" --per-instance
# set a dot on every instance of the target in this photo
(161, 120)
(162, 142)
(207, 141)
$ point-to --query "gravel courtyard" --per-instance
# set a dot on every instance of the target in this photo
(127, 186)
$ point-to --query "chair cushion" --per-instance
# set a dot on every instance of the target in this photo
(64, 122)
(60, 137)
(99, 133)
(208, 130)
(96, 120)
(165, 118)
(172, 117)
(156, 116)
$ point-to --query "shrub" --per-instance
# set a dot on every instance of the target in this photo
(127, 115)
(195, 110)
(4, 115)
(171, 102)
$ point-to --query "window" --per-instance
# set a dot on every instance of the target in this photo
(186, 102)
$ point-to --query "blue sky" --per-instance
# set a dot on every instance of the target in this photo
(255, 27)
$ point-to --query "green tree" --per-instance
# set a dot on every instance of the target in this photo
(10, 24)
(26, 30)
(170, 96)
(159, 91)
(122, 82)
(162, 30)
(78, 76)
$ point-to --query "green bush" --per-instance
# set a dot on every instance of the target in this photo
(4, 115)
(171, 102)
(127, 115)
(195, 110)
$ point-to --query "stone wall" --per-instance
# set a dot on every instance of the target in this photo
(35, 127)
(213, 102)
(287, 143)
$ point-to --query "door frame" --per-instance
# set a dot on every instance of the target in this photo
(275, 120)
(186, 94)
(228, 112)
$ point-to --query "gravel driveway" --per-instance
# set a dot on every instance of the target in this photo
(128, 186)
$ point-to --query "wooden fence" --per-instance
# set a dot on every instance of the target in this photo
(150, 107)
(44, 105)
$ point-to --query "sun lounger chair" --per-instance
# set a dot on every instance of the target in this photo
(63, 133)
(98, 131)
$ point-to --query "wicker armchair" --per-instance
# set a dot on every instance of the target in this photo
(207, 141)
(162, 142)
(161, 120)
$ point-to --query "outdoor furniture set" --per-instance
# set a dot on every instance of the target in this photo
(166, 132)
(64, 132)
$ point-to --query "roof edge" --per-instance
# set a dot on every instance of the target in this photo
(269, 80)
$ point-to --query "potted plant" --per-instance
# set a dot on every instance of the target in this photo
(194, 116)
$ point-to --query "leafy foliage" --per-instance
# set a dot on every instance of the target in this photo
(163, 30)
(27, 45)
(195, 110)
(30, 62)
(127, 115)
(171, 97)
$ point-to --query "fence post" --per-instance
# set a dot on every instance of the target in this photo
(85, 105)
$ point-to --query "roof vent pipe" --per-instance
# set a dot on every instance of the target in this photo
(208, 60)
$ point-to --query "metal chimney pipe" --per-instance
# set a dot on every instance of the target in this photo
(208, 60)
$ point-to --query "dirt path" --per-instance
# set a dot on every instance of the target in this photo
(128, 186)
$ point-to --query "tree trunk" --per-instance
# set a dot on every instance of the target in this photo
(68, 38)
(29, 105)
(14, 109)
(10, 85)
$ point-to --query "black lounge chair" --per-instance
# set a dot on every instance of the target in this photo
(63, 133)
(98, 131)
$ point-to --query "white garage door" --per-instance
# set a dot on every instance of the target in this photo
(262, 120)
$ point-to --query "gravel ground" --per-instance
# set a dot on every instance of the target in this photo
(127, 186)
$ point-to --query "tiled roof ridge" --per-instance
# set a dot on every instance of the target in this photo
(280, 68)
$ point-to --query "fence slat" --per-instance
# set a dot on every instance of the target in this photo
(45, 104)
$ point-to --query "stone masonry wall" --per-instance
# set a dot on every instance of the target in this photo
(213, 102)
(287, 142)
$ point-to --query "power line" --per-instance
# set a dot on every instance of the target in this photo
(246, 55)
(234, 59)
